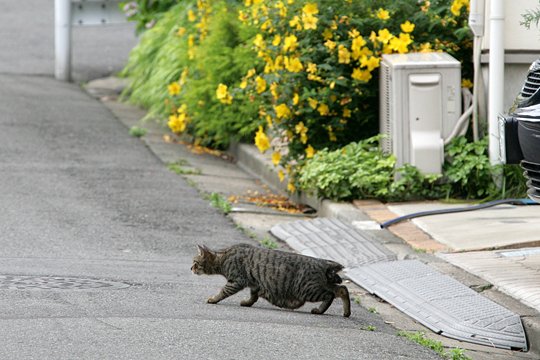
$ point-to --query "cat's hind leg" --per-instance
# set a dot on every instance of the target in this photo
(342, 292)
(252, 299)
(229, 289)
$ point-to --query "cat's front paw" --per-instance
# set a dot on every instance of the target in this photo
(212, 300)
(316, 311)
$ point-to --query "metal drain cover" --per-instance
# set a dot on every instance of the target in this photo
(334, 240)
(23, 282)
(441, 303)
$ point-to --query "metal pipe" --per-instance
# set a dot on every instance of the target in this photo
(62, 39)
(496, 77)
(476, 23)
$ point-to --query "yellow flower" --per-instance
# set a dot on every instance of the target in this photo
(269, 121)
(323, 109)
(281, 175)
(243, 84)
(295, 23)
(344, 56)
(327, 34)
(223, 95)
(311, 68)
(259, 41)
(310, 9)
(282, 111)
(293, 64)
(174, 88)
(407, 27)
(282, 9)
(269, 67)
(242, 16)
(177, 124)
(466, 83)
(383, 14)
(457, 5)
(181, 31)
(310, 22)
(276, 157)
(273, 90)
(278, 63)
(291, 187)
(356, 47)
(261, 140)
(182, 109)
(310, 151)
(290, 43)
(371, 62)
(313, 103)
(277, 40)
(191, 16)
(267, 25)
(353, 34)
(346, 113)
(300, 128)
(221, 91)
(295, 99)
(400, 44)
(373, 37)
(384, 36)
(261, 84)
(361, 75)
(330, 45)
(191, 41)
(250, 73)
(425, 47)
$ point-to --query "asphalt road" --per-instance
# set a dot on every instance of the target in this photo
(80, 198)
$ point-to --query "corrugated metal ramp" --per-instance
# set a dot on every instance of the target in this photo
(439, 302)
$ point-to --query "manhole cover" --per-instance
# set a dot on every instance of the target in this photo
(21, 282)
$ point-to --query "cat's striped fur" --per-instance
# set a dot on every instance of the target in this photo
(285, 279)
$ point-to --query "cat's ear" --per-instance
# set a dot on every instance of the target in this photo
(203, 250)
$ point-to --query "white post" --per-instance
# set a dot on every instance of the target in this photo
(62, 39)
(496, 76)
(476, 23)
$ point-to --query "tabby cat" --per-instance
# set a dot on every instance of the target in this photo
(285, 279)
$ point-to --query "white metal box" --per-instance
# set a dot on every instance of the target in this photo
(420, 103)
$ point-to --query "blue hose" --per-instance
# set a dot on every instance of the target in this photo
(388, 223)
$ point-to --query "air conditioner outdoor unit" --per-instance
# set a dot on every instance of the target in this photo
(420, 104)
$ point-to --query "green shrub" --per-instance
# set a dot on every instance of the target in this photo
(360, 170)
(178, 65)
(156, 61)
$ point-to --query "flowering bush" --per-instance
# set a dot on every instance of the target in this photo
(299, 77)
(178, 66)
(318, 85)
